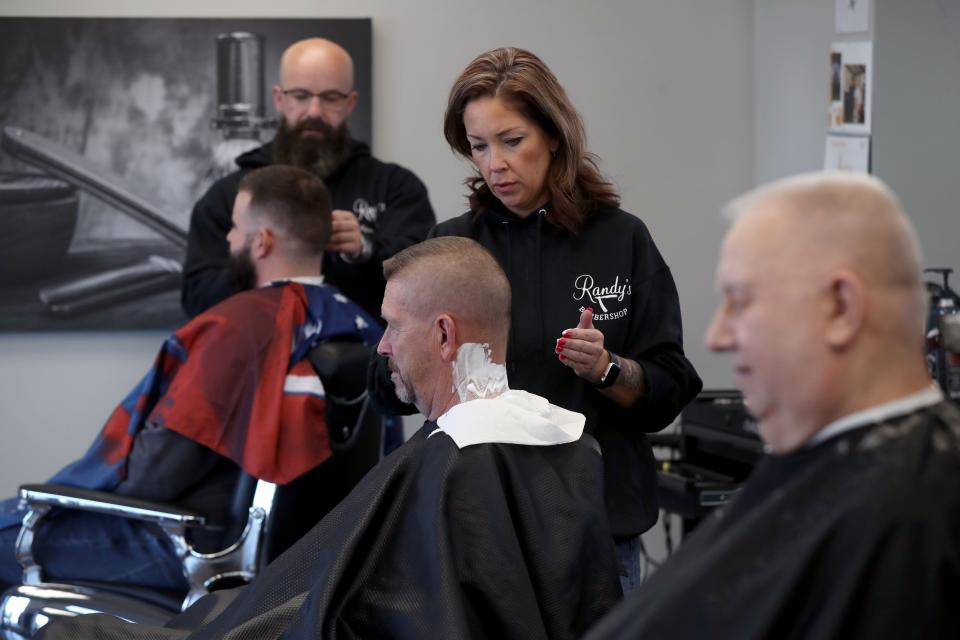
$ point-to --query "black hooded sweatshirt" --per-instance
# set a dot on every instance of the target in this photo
(390, 202)
(613, 266)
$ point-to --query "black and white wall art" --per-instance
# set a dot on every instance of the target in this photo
(107, 141)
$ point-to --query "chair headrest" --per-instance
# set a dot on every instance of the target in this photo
(342, 366)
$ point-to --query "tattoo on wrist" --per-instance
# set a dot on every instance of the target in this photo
(631, 375)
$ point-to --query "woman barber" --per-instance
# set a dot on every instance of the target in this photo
(595, 325)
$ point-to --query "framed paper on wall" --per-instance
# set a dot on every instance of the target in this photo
(108, 139)
(850, 87)
(847, 153)
(852, 16)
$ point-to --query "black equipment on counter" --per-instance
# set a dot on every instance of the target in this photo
(943, 335)
(718, 445)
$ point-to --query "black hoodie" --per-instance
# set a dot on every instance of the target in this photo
(390, 201)
(613, 266)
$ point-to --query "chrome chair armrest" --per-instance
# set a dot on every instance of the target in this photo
(39, 499)
(241, 560)
(109, 504)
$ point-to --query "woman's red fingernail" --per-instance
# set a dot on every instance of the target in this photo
(559, 349)
(563, 357)
(590, 309)
(566, 334)
(561, 342)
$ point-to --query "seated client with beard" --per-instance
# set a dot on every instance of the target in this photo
(231, 389)
(378, 208)
(489, 522)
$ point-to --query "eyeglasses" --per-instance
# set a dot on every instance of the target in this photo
(331, 100)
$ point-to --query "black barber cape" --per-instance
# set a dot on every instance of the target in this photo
(857, 537)
(489, 541)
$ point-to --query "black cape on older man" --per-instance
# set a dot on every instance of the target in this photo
(491, 529)
(857, 536)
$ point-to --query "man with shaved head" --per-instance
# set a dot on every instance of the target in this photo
(379, 208)
(488, 523)
(850, 526)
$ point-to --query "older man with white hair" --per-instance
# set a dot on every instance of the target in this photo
(850, 527)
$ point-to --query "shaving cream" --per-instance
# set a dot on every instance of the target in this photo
(475, 375)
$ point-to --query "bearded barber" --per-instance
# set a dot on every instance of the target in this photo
(379, 208)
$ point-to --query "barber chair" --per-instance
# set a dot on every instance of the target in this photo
(265, 518)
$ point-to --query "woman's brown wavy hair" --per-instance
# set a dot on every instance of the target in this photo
(522, 80)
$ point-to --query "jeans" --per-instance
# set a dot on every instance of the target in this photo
(95, 547)
(629, 551)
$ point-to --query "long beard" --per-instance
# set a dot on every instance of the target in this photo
(241, 271)
(320, 155)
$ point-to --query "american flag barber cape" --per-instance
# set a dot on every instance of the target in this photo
(235, 379)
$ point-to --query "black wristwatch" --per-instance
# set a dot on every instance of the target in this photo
(611, 374)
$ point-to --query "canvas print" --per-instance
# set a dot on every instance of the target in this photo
(111, 129)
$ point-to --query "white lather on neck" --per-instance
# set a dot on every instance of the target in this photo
(491, 412)
(476, 375)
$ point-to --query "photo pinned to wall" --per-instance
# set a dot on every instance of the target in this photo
(847, 153)
(850, 87)
(852, 16)
(110, 130)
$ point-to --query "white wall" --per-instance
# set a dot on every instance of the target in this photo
(790, 81)
(665, 88)
(916, 111)
(915, 135)
(56, 390)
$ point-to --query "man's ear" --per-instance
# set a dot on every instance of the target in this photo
(263, 244)
(846, 308)
(352, 99)
(447, 339)
(277, 97)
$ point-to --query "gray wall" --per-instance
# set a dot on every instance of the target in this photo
(665, 88)
(917, 118)
(791, 54)
(916, 102)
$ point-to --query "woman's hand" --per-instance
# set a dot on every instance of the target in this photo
(582, 349)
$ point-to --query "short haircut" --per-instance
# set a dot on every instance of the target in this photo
(849, 218)
(295, 202)
(462, 277)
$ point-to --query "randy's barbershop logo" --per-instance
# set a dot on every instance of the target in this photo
(367, 212)
(586, 290)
